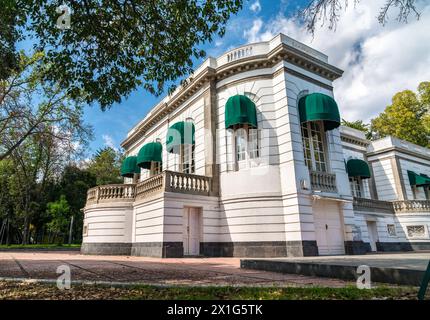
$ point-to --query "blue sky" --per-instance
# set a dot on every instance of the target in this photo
(112, 125)
(377, 60)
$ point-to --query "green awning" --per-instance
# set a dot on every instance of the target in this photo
(419, 180)
(318, 106)
(240, 110)
(358, 168)
(150, 152)
(178, 134)
(129, 167)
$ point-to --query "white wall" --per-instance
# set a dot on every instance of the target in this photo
(108, 223)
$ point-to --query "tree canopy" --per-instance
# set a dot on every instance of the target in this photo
(407, 117)
(106, 166)
(112, 47)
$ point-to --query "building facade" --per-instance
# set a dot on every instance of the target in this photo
(248, 158)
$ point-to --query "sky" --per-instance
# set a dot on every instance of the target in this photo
(377, 60)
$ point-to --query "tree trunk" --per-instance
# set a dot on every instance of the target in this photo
(7, 232)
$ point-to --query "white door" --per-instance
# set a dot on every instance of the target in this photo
(373, 234)
(191, 232)
(328, 228)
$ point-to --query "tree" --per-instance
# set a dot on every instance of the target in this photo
(330, 10)
(29, 106)
(112, 47)
(59, 214)
(74, 185)
(358, 125)
(106, 166)
(407, 117)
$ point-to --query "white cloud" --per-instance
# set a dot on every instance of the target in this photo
(254, 34)
(378, 60)
(108, 141)
(256, 6)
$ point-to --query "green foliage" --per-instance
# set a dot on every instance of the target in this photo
(59, 214)
(358, 125)
(30, 106)
(114, 47)
(105, 166)
(407, 117)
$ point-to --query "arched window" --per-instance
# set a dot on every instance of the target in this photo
(242, 130)
(318, 113)
(187, 163)
(181, 142)
(150, 158)
(314, 145)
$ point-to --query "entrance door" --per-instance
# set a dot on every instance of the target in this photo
(373, 234)
(191, 232)
(328, 228)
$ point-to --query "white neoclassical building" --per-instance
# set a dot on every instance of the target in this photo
(249, 159)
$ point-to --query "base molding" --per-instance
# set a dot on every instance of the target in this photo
(356, 247)
(402, 246)
(257, 249)
(260, 249)
(158, 249)
(106, 248)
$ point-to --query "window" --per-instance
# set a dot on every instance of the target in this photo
(156, 168)
(356, 187)
(246, 146)
(416, 232)
(187, 158)
(253, 139)
(313, 145)
(240, 143)
(85, 231)
(391, 229)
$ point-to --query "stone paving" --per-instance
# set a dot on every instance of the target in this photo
(406, 260)
(126, 269)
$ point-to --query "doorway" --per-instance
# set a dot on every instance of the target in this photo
(373, 234)
(191, 231)
(328, 228)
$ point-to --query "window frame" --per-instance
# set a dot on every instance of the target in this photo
(424, 236)
(325, 153)
(394, 235)
(247, 160)
(187, 165)
(356, 184)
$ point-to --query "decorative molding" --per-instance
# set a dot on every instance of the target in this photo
(354, 140)
(282, 52)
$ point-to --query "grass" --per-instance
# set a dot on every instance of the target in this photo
(32, 290)
(38, 246)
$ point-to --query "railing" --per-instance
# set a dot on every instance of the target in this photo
(111, 192)
(149, 186)
(372, 205)
(411, 206)
(323, 181)
(239, 54)
(168, 181)
(187, 183)
(171, 181)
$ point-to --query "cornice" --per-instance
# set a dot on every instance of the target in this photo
(280, 53)
(354, 140)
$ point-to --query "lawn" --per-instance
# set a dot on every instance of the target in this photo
(32, 290)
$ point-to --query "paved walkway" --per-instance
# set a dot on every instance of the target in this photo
(406, 260)
(395, 268)
(184, 271)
